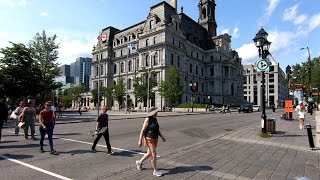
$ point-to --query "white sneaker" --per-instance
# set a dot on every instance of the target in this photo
(157, 173)
(138, 163)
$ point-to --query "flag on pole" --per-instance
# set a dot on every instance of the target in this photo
(152, 53)
(131, 47)
(103, 37)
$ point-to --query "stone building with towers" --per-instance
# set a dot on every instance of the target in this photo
(170, 38)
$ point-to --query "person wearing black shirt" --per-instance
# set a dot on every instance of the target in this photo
(102, 121)
(3, 116)
(150, 131)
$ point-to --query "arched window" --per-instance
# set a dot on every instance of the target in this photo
(146, 60)
(204, 13)
(122, 67)
(155, 59)
(196, 69)
(172, 59)
(129, 83)
(151, 24)
(130, 66)
(115, 69)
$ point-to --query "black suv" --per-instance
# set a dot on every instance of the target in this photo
(246, 108)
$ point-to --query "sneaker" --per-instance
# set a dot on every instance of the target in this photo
(110, 153)
(41, 150)
(93, 150)
(157, 173)
(53, 152)
(138, 163)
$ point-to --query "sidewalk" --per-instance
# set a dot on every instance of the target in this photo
(240, 155)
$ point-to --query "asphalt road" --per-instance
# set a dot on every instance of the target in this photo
(21, 159)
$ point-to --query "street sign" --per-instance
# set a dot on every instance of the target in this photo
(263, 65)
(259, 76)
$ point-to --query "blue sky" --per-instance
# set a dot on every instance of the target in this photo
(291, 24)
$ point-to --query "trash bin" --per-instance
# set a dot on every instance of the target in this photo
(271, 125)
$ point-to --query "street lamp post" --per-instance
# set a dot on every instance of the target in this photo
(288, 72)
(263, 46)
(310, 84)
(99, 70)
(194, 89)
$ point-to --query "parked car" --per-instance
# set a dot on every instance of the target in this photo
(256, 108)
(247, 108)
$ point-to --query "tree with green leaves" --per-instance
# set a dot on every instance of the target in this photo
(19, 73)
(44, 51)
(300, 73)
(171, 89)
(119, 91)
(140, 85)
(106, 92)
(72, 94)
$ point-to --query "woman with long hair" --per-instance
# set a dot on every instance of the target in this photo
(301, 109)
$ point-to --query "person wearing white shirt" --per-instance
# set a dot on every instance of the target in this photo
(301, 109)
(18, 111)
(53, 109)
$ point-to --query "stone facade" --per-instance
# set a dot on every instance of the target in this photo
(176, 40)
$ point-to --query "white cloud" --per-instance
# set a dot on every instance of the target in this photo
(300, 19)
(73, 45)
(291, 14)
(223, 31)
(248, 53)
(43, 14)
(13, 3)
(314, 22)
(235, 32)
(272, 5)
(282, 42)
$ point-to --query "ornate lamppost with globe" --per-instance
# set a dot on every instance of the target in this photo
(263, 46)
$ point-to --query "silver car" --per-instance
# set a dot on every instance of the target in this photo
(256, 108)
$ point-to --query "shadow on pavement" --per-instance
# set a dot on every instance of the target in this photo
(125, 153)
(183, 169)
(19, 146)
(75, 152)
(15, 156)
(67, 134)
(5, 142)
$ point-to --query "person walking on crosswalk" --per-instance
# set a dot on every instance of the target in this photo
(150, 132)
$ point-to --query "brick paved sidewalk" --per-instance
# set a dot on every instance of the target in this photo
(239, 155)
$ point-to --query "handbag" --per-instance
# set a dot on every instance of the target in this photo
(21, 117)
(13, 116)
(21, 124)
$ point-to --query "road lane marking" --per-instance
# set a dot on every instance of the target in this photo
(83, 142)
(34, 167)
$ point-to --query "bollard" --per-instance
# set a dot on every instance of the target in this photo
(310, 138)
(317, 142)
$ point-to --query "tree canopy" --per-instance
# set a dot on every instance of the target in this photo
(29, 70)
(171, 89)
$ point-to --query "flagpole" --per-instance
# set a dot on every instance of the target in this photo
(127, 83)
(148, 103)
